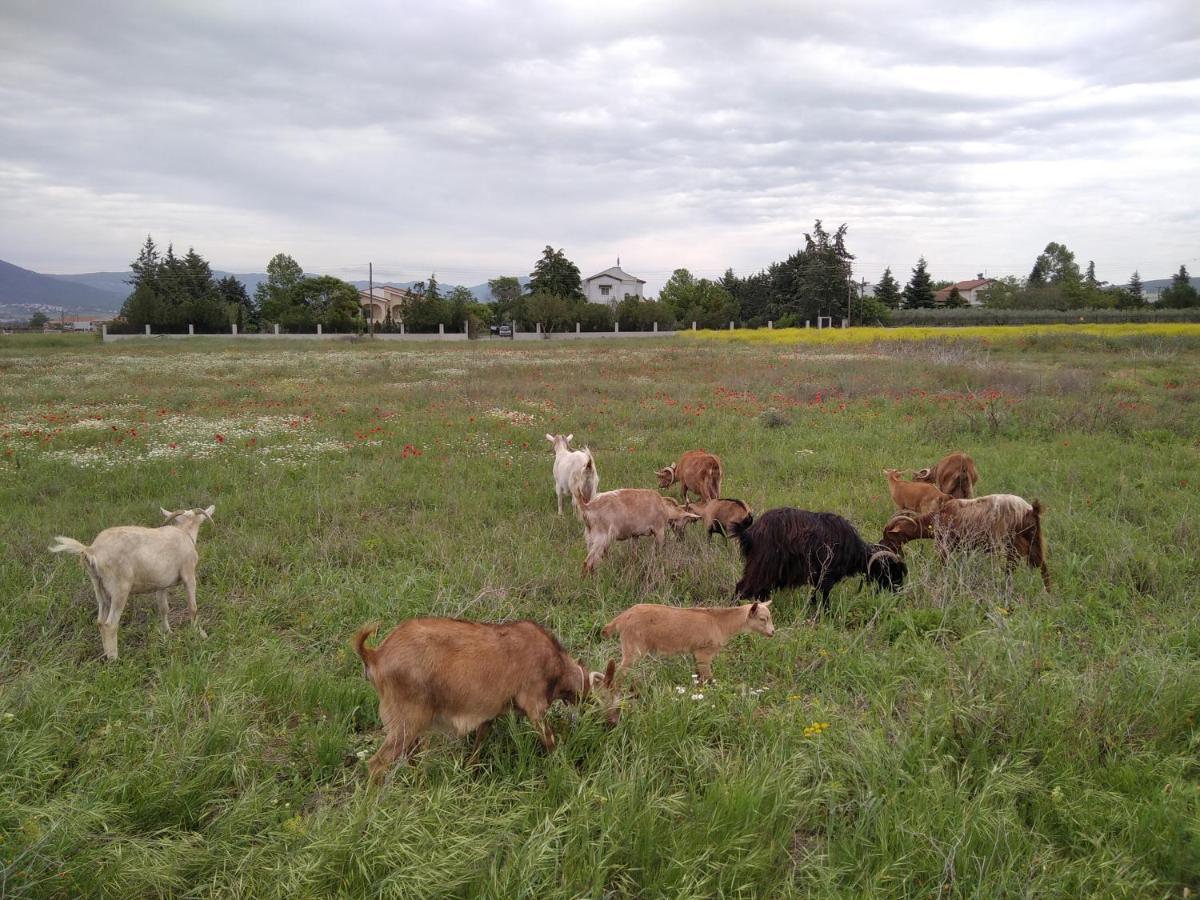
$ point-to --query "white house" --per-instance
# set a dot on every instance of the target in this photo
(969, 290)
(385, 299)
(611, 286)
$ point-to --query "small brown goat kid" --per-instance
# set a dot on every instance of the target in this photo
(913, 495)
(954, 474)
(456, 677)
(628, 513)
(725, 516)
(698, 472)
(996, 522)
(649, 628)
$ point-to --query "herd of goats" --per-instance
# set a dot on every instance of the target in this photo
(457, 676)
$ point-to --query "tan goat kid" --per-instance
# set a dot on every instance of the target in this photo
(954, 474)
(1003, 523)
(649, 628)
(913, 495)
(725, 516)
(130, 559)
(698, 472)
(628, 513)
(455, 677)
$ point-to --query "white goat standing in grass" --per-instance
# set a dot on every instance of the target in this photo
(572, 469)
(130, 559)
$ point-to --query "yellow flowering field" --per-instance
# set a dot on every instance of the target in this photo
(976, 332)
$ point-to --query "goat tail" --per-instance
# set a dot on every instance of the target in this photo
(581, 501)
(69, 545)
(365, 653)
(1038, 542)
(612, 627)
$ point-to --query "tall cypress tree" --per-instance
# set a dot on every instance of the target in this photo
(1135, 286)
(918, 293)
(887, 291)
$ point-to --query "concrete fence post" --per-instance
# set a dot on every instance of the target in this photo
(731, 326)
(235, 329)
(656, 326)
(806, 323)
(147, 328)
(318, 329)
(467, 328)
(538, 328)
(277, 328)
(191, 329)
(577, 328)
(402, 328)
(616, 327)
(770, 324)
(441, 328)
(104, 331)
(693, 326)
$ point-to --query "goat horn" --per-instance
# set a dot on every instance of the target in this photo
(879, 553)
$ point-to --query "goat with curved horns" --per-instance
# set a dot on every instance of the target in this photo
(789, 547)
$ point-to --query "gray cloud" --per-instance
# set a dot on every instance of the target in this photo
(464, 137)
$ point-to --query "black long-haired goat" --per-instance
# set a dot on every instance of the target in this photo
(789, 547)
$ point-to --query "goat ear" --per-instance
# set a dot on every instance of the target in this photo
(550, 438)
(167, 514)
(570, 437)
(764, 603)
(610, 672)
(209, 510)
(754, 607)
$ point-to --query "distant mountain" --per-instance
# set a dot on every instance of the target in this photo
(23, 291)
(1153, 287)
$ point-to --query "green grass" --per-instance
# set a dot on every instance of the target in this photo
(985, 738)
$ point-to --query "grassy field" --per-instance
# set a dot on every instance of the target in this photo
(984, 738)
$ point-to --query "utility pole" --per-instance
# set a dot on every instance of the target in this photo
(371, 302)
(849, 293)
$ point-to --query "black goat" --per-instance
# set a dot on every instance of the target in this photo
(789, 547)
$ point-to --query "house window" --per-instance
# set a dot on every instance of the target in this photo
(605, 290)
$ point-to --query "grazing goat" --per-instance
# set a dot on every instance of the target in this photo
(954, 475)
(914, 495)
(649, 628)
(572, 468)
(788, 547)
(627, 513)
(697, 471)
(725, 516)
(130, 559)
(456, 677)
(995, 522)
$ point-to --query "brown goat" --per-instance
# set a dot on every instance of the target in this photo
(954, 475)
(649, 628)
(725, 516)
(913, 495)
(456, 677)
(624, 514)
(995, 522)
(697, 471)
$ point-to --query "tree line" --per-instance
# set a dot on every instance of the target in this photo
(171, 292)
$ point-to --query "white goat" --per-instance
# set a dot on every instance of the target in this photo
(130, 559)
(572, 469)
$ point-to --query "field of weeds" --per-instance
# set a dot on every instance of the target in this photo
(972, 735)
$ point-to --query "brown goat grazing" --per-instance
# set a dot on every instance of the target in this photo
(954, 475)
(627, 513)
(697, 471)
(914, 495)
(725, 516)
(649, 628)
(456, 677)
(995, 522)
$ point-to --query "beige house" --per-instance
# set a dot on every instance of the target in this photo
(969, 289)
(611, 286)
(382, 300)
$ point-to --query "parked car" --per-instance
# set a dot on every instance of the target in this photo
(505, 331)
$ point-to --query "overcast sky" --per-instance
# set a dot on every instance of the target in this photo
(463, 137)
